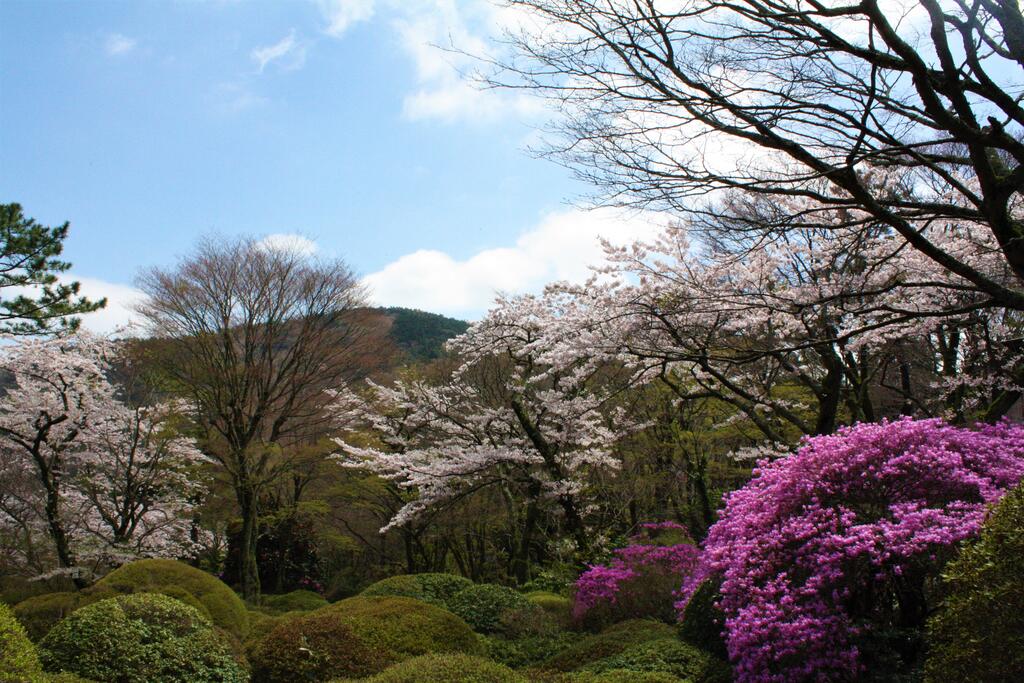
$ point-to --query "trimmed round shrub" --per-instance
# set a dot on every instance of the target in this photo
(978, 635)
(261, 623)
(405, 627)
(667, 655)
(435, 588)
(141, 638)
(483, 606)
(314, 647)
(448, 669)
(296, 601)
(558, 607)
(18, 659)
(617, 676)
(40, 613)
(225, 608)
(702, 622)
(526, 651)
(610, 642)
(829, 556)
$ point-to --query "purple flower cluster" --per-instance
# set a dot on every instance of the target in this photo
(635, 569)
(818, 545)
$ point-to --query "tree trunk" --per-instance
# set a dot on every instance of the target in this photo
(521, 562)
(248, 568)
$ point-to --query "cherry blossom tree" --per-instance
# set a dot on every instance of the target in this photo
(104, 480)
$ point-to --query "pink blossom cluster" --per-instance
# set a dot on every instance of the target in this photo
(811, 549)
(603, 586)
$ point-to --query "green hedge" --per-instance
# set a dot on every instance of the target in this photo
(405, 627)
(18, 659)
(978, 634)
(558, 607)
(450, 668)
(702, 623)
(140, 638)
(296, 601)
(435, 588)
(314, 647)
(484, 606)
(178, 579)
(612, 641)
(666, 655)
(40, 613)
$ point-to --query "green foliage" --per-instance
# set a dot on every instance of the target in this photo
(314, 647)
(667, 655)
(296, 601)
(702, 623)
(38, 614)
(437, 589)
(527, 651)
(558, 607)
(405, 627)
(29, 260)
(484, 605)
(420, 334)
(617, 676)
(978, 635)
(225, 608)
(18, 659)
(610, 642)
(141, 638)
(448, 669)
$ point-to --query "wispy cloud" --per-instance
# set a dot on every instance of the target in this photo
(341, 14)
(119, 44)
(288, 53)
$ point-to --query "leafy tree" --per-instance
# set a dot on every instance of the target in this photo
(28, 270)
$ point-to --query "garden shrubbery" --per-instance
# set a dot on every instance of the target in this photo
(140, 638)
(978, 635)
(295, 601)
(38, 614)
(612, 641)
(666, 655)
(224, 607)
(435, 588)
(489, 608)
(19, 662)
(450, 668)
(314, 647)
(701, 622)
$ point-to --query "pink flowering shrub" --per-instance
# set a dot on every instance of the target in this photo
(639, 582)
(824, 552)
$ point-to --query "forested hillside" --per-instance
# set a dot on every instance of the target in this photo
(421, 335)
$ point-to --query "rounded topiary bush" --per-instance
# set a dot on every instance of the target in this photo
(140, 638)
(435, 588)
(978, 635)
(448, 669)
(405, 627)
(484, 606)
(666, 655)
(18, 659)
(701, 622)
(224, 607)
(558, 607)
(39, 614)
(314, 647)
(296, 601)
(610, 642)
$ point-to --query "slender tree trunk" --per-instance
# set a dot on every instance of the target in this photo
(248, 567)
(59, 535)
(521, 562)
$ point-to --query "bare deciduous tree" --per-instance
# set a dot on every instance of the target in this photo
(251, 336)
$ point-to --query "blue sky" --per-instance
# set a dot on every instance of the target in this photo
(149, 124)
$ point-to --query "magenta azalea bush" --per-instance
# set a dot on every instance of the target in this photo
(639, 582)
(824, 550)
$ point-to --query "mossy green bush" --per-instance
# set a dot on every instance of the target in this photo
(18, 659)
(617, 676)
(610, 642)
(261, 623)
(405, 627)
(140, 638)
(484, 606)
(558, 607)
(314, 647)
(296, 601)
(435, 588)
(527, 651)
(40, 613)
(702, 623)
(224, 607)
(666, 655)
(978, 634)
(452, 668)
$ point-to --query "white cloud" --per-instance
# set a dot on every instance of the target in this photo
(118, 44)
(120, 302)
(282, 241)
(561, 247)
(341, 14)
(288, 53)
